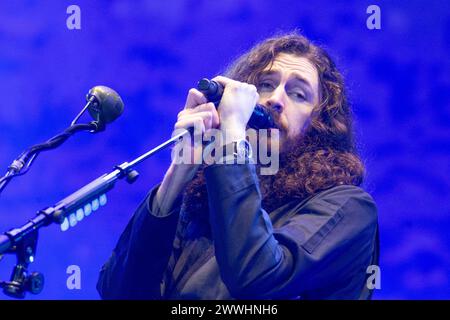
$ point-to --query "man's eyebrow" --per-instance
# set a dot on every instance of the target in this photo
(267, 73)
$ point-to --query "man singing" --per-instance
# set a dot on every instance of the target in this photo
(224, 231)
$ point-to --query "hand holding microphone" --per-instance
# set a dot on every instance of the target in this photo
(236, 106)
(214, 89)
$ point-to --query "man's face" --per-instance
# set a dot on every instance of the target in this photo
(291, 89)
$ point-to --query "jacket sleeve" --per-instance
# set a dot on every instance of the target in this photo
(136, 265)
(326, 244)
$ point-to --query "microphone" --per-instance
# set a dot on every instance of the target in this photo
(213, 91)
(105, 105)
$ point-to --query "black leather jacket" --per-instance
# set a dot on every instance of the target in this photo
(318, 248)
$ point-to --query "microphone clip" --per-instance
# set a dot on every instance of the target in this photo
(92, 104)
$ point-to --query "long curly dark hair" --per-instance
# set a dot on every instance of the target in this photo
(323, 157)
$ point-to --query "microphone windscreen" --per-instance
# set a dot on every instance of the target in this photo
(109, 105)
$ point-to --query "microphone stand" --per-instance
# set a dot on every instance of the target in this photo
(22, 241)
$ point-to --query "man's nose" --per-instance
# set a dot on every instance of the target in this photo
(276, 100)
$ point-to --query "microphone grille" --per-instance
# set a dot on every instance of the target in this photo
(109, 105)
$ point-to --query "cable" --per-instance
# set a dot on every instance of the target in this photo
(22, 164)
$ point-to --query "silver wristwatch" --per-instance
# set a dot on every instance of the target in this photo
(241, 152)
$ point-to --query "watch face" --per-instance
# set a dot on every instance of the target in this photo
(243, 149)
(240, 149)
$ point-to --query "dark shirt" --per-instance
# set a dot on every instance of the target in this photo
(317, 248)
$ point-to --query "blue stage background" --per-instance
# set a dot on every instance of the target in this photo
(152, 52)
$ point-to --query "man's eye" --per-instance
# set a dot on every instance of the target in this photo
(299, 96)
